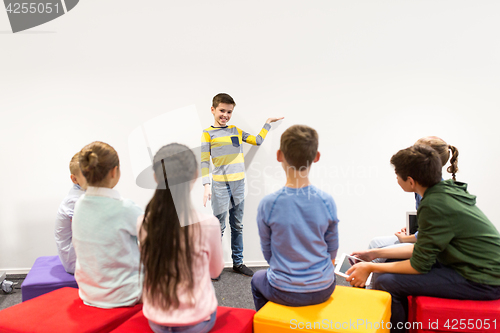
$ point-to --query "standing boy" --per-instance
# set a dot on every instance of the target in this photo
(298, 230)
(63, 231)
(457, 253)
(223, 144)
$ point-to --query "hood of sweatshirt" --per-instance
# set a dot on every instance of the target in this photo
(455, 189)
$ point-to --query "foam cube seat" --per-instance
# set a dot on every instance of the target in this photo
(432, 314)
(46, 275)
(347, 310)
(62, 311)
(230, 320)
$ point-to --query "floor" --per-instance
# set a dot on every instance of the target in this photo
(14, 298)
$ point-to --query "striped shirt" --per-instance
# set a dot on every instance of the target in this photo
(223, 144)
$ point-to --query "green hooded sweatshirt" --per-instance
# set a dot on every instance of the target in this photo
(453, 231)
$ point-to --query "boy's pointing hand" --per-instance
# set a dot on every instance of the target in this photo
(272, 120)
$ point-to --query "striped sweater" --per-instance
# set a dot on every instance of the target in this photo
(223, 144)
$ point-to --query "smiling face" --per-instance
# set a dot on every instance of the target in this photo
(222, 114)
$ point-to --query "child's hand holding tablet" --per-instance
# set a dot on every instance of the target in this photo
(354, 270)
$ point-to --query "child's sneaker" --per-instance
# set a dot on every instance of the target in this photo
(242, 269)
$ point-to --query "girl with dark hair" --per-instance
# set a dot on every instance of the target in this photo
(457, 253)
(104, 233)
(180, 249)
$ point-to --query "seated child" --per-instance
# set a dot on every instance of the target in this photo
(400, 238)
(457, 253)
(181, 249)
(62, 231)
(298, 230)
(105, 234)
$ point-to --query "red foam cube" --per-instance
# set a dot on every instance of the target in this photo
(62, 311)
(432, 314)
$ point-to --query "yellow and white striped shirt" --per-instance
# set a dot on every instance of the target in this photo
(223, 144)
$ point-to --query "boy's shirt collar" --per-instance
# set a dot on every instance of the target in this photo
(103, 192)
(220, 127)
(76, 190)
(306, 190)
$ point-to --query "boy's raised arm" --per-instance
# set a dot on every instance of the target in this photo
(257, 140)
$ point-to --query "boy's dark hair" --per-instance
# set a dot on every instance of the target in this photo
(420, 162)
(299, 144)
(222, 98)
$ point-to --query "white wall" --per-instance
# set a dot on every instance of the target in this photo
(371, 76)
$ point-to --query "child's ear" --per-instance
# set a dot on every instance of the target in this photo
(316, 159)
(212, 109)
(412, 182)
(114, 172)
(73, 179)
(279, 156)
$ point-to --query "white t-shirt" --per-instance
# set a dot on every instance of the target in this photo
(105, 241)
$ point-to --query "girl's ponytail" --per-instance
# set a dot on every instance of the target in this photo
(453, 168)
(443, 149)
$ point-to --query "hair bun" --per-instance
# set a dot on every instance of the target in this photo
(96, 160)
(93, 159)
(90, 159)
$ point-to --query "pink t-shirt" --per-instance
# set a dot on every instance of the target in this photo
(207, 264)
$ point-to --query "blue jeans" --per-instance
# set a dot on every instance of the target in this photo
(263, 292)
(441, 281)
(230, 196)
(203, 327)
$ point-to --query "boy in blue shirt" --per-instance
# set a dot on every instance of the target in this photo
(63, 231)
(298, 230)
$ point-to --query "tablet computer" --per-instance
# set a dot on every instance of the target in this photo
(346, 261)
(411, 223)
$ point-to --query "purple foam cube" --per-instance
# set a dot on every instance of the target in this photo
(46, 275)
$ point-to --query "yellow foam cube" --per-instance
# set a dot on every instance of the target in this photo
(347, 310)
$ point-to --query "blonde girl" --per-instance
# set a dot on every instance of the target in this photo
(104, 233)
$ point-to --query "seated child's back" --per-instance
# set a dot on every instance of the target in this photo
(105, 235)
(180, 249)
(298, 230)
